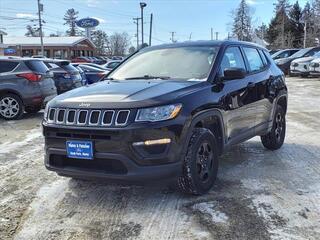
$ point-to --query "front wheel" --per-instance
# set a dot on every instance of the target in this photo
(200, 164)
(275, 138)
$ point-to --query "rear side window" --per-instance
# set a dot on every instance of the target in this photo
(254, 59)
(264, 59)
(7, 66)
(37, 66)
(232, 58)
(69, 67)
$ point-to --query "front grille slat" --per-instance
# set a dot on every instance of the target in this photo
(89, 117)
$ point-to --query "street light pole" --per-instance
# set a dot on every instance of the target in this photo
(142, 5)
(40, 9)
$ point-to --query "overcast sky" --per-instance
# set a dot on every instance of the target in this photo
(192, 17)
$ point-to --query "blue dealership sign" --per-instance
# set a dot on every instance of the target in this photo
(8, 51)
(87, 23)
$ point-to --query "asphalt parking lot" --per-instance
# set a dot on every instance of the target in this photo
(260, 194)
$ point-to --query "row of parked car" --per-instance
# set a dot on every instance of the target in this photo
(27, 84)
(97, 60)
(298, 62)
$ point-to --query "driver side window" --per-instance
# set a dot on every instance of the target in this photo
(232, 58)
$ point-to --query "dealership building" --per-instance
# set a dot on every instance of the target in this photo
(54, 47)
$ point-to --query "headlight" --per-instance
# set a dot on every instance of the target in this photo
(161, 113)
(46, 110)
(280, 61)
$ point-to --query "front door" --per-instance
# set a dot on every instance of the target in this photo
(239, 100)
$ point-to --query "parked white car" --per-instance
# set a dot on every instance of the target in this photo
(314, 67)
(300, 66)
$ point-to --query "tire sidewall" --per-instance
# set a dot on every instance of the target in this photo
(21, 106)
(283, 133)
(202, 187)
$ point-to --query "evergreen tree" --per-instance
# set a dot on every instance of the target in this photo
(295, 15)
(316, 20)
(242, 22)
(70, 18)
(279, 34)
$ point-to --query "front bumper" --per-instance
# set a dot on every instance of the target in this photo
(115, 157)
(299, 71)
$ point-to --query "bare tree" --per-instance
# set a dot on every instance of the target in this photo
(32, 31)
(100, 39)
(119, 43)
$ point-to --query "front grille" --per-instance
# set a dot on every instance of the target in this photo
(314, 65)
(90, 117)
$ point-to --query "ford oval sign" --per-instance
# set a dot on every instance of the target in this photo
(87, 23)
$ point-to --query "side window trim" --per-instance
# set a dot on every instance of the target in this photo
(12, 70)
(242, 55)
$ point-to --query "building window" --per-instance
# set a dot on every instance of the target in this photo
(57, 54)
(27, 52)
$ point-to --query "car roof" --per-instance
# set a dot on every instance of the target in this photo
(51, 60)
(206, 43)
(17, 58)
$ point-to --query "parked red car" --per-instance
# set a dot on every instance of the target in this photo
(81, 60)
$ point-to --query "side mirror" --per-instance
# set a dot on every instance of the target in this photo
(234, 73)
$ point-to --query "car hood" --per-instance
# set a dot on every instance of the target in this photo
(303, 59)
(125, 93)
(316, 60)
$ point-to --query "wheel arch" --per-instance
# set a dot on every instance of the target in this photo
(283, 102)
(10, 91)
(210, 119)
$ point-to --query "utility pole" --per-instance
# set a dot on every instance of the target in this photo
(211, 34)
(136, 21)
(172, 36)
(142, 5)
(305, 34)
(150, 34)
(40, 9)
(217, 35)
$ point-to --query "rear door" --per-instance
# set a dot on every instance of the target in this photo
(259, 78)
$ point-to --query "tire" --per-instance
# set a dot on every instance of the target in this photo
(33, 110)
(275, 138)
(200, 164)
(11, 107)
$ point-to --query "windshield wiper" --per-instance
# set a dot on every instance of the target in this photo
(148, 77)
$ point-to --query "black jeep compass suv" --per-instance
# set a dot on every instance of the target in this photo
(166, 112)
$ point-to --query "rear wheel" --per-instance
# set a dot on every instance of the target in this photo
(275, 138)
(11, 107)
(200, 166)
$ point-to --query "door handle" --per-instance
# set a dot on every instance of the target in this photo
(251, 85)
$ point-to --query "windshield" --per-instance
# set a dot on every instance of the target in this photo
(317, 54)
(301, 53)
(185, 63)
